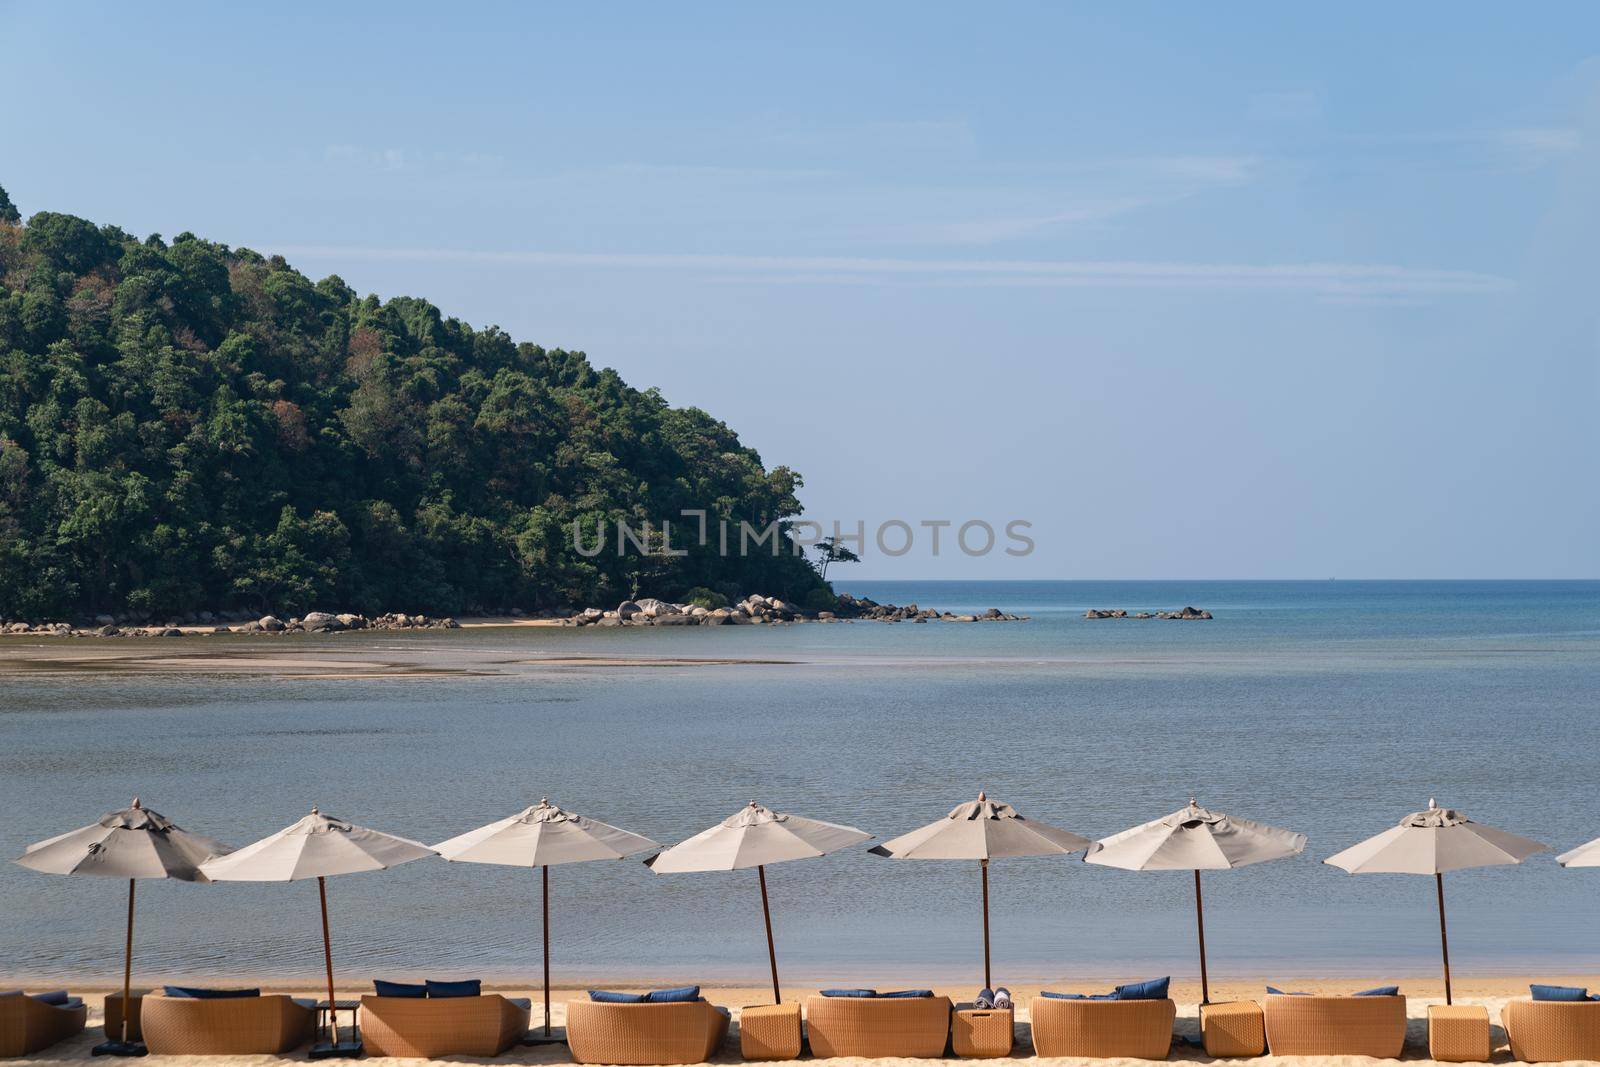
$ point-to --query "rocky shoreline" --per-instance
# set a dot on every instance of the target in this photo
(1187, 613)
(756, 610)
(753, 610)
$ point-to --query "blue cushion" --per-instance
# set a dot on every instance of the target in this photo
(1275, 991)
(1154, 989)
(681, 995)
(906, 994)
(1386, 991)
(57, 999)
(849, 992)
(1078, 996)
(192, 993)
(1558, 992)
(470, 987)
(398, 989)
(606, 996)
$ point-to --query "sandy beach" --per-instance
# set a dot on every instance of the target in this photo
(1493, 993)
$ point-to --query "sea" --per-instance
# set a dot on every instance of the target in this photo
(1334, 708)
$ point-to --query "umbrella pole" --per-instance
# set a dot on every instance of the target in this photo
(1200, 928)
(983, 866)
(546, 871)
(1444, 940)
(327, 959)
(772, 953)
(127, 967)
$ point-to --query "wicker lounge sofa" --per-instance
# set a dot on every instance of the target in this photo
(428, 1028)
(684, 1032)
(233, 1026)
(876, 1027)
(28, 1024)
(1542, 1031)
(1335, 1026)
(1135, 1029)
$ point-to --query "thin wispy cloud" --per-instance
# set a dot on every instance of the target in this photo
(1341, 279)
(394, 159)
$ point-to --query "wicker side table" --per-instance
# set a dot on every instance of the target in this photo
(1458, 1033)
(770, 1032)
(1236, 1028)
(982, 1033)
(113, 1024)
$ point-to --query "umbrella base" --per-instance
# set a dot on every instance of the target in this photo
(328, 1050)
(120, 1048)
(539, 1037)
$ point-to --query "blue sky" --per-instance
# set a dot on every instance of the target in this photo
(1243, 291)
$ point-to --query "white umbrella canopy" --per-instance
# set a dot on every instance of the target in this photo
(1435, 841)
(755, 836)
(1196, 839)
(1585, 855)
(318, 846)
(132, 843)
(981, 830)
(543, 836)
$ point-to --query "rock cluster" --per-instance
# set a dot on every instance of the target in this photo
(206, 622)
(1119, 613)
(755, 610)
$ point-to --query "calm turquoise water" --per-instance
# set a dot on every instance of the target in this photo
(1329, 707)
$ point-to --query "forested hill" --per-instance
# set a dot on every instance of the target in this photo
(186, 426)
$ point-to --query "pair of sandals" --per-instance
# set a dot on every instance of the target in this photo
(994, 998)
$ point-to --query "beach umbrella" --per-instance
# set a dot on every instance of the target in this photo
(318, 846)
(1195, 839)
(132, 843)
(1585, 855)
(543, 836)
(981, 830)
(757, 837)
(1435, 842)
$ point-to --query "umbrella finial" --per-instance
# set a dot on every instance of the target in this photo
(982, 796)
(136, 806)
(314, 811)
(1193, 803)
(544, 800)
(1433, 805)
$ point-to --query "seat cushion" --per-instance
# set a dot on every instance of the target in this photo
(470, 987)
(399, 989)
(607, 996)
(197, 993)
(1558, 992)
(680, 995)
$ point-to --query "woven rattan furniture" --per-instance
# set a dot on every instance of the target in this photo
(1235, 1028)
(1335, 1026)
(1541, 1031)
(876, 1027)
(770, 1032)
(434, 1027)
(982, 1033)
(230, 1026)
(1458, 1033)
(1136, 1029)
(113, 1023)
(28, 1025)
(687, 1032)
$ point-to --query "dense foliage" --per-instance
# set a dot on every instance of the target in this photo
(187, 426)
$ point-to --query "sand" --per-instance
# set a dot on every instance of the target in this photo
(1492, 993)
